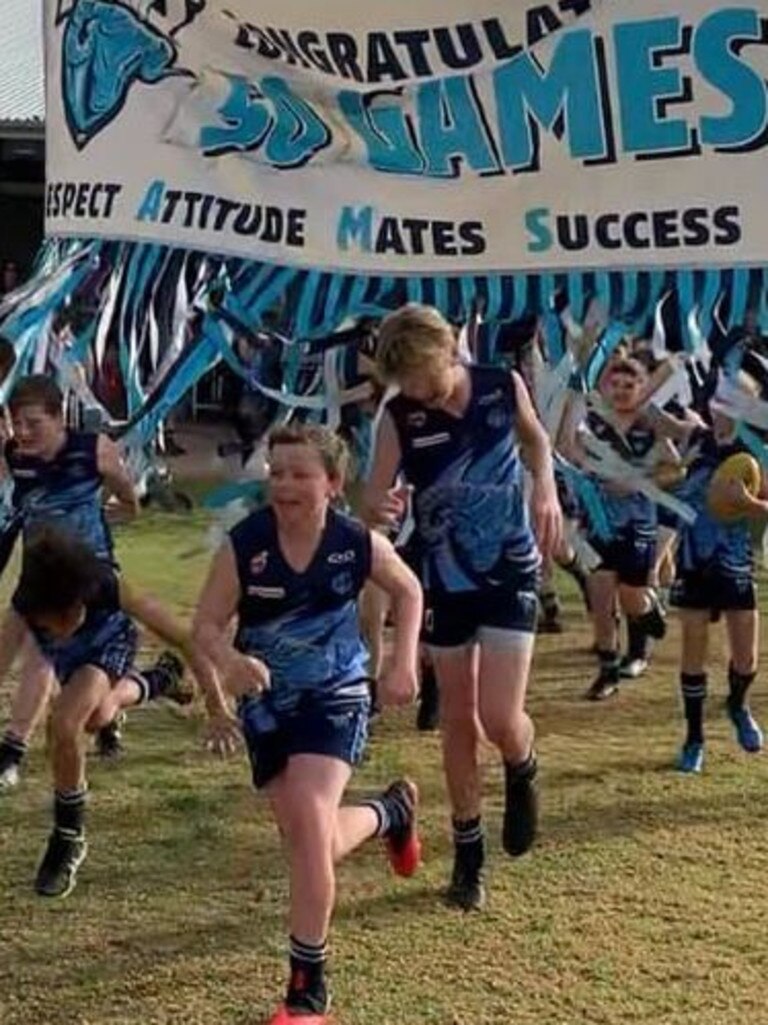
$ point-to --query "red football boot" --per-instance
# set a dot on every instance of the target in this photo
(403, 842)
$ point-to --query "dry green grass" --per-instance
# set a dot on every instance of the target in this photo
(645, 901)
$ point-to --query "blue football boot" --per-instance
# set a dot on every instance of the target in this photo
(691, 757)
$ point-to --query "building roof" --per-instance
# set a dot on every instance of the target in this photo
(22, 91)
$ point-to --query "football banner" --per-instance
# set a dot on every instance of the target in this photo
(439, 138)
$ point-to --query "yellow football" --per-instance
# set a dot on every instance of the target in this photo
(741, 467)
(668, 475)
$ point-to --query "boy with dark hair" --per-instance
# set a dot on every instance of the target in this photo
(81, 615)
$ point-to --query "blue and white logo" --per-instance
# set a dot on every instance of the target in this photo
(110, 45)
(342, 584)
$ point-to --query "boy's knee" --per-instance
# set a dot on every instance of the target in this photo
(101, 717)
(308, 819)
(510, 731)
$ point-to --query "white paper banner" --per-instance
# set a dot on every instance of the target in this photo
(394, 137)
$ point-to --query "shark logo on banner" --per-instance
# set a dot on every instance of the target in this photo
(110, 45)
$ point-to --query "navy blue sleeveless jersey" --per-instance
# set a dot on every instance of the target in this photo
(471, 517)
(64, 492)
(707, 543)
(633, 445)
(304, 626)
(107, 637)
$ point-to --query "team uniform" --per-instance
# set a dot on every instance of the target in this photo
(630, 549)
(478, 560)
(715, 574)
(714, 559)
(627, 549)
(305, 627)
(107, 638)
(479, 567)
(64, 492)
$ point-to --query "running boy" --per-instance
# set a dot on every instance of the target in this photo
(453, 433)
(716, 576)
(620, 419)
(290, 574)
(81, 616)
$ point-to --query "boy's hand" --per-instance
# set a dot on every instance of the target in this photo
(245, 675)
(398, 686)
(393, 507)
(222, 734)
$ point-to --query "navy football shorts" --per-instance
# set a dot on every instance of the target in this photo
(492, 616)
(714, 591)
(272, 737)
(630, 554)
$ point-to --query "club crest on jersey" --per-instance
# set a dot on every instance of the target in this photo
(497, 418)
(258, 563)
(417, 419)
(341, 584)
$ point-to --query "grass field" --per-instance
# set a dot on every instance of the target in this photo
(645, 901)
